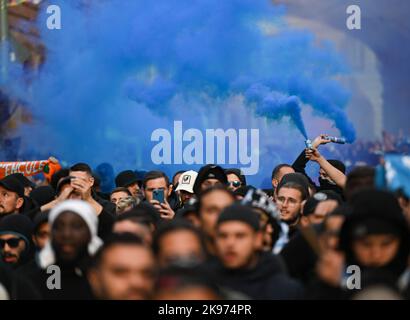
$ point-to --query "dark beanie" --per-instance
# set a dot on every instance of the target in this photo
(43, 195)
(17, 224)
(210, 171)
(237, 212)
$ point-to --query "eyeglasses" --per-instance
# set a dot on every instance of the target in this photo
(291, 202)
(12, 243)
(235, 184)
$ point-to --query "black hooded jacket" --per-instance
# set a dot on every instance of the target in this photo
(266, 281)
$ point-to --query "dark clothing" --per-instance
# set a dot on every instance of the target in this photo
(107, 216)
(106, 204)
(105, 223)
(319, 290)
(174, 201)
(299, 257)
(299, 166)
(17, 287)
(267, 280)
(74, 284)
(30, 208)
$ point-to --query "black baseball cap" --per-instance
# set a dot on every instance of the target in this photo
(210, 171)
(10, 183)
(23, 180)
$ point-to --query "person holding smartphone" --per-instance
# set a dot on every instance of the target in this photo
(157, 192)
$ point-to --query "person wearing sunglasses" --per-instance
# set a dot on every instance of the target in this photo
(15, 240)
(235, 179)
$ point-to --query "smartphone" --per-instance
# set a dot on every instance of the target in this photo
(158, 194)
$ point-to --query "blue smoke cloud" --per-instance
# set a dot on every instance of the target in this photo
(120, 69)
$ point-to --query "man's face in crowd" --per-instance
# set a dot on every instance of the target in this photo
(126, 272)
(236, 243)
(117, 196)
(12, 247)
(139, 229)
(233, 181)
(70, 236)
(376, 250)
(185, 196)
(135, 190)
(283, 171)
(208, 183)
(212, 205)
(83, 178)
(42, 235)
(179, 245)
(10, 202)
(289, 203)
(153, 184)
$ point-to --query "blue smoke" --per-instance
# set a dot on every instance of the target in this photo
(120, 69)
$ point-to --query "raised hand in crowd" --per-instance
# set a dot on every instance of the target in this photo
(164, 209)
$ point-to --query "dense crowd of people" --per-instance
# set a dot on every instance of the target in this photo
(205, 235)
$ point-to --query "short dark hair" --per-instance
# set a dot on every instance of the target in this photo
(82, 167)
(277, 169)
(121, 189)
(296, 186)
(174, 225)
(151, 175)
(207, 191)
(60, 174)
(117, 239)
